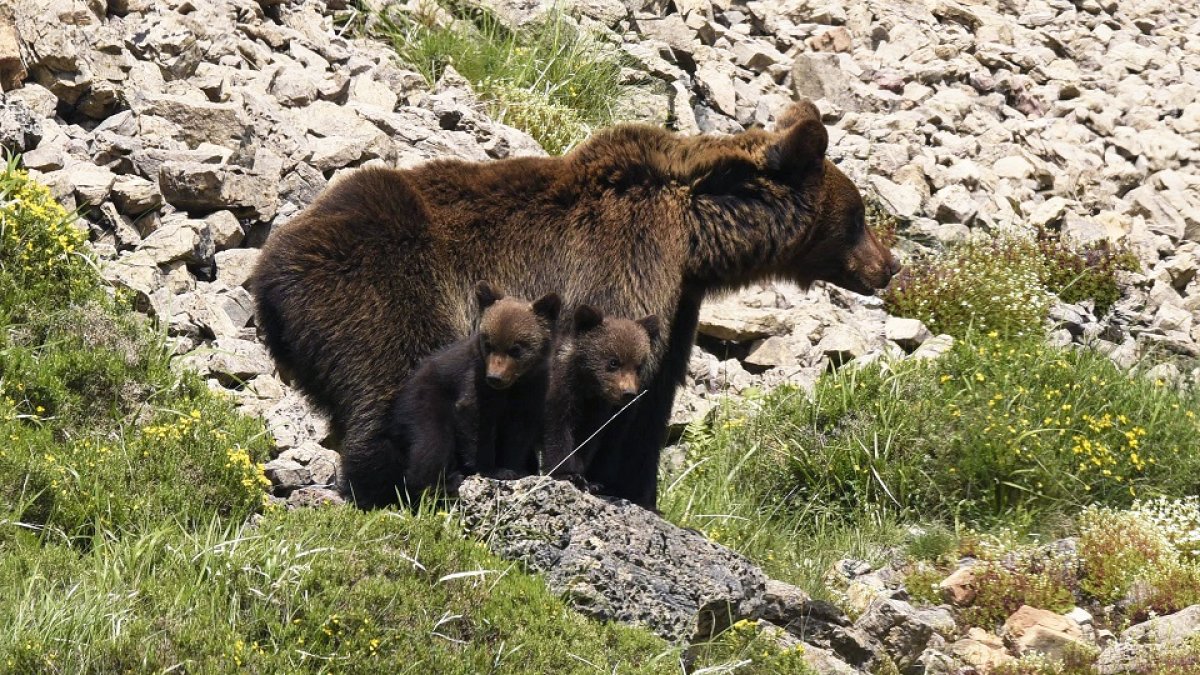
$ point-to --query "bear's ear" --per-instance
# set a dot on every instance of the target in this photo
(650, 323)
(486, 294)
(587, 318)
(548, 306)
(802, 140)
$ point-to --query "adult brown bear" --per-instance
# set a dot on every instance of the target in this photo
(378, 271)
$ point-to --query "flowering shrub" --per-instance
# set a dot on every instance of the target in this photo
(1046, 582)
(1090, 272)
(746, 648)
(40, 245)
(991, 428)
(1116, 548)
(1142, 557)
(982, 285)
(1178, 520)
(98, 432)
(1005, 283)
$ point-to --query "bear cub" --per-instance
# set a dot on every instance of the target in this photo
(599, 366)
(477, 405)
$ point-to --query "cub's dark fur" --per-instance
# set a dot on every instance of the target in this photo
(477, 405)
(598, 368)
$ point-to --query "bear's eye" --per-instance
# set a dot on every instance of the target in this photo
(515, 351)
(613, 365)
(487, 346)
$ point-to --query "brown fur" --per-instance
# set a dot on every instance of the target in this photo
(477, 405)
(376, 273)
(598, 368)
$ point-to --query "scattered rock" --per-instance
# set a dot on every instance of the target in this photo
(908, 333)
(959, 588)
(1038, 631)
(728, 321)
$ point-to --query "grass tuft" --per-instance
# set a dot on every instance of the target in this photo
(550, 79)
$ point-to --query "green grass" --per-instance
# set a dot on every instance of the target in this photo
(550, 80)
(736, 490)
(324, 590)
(996, 434)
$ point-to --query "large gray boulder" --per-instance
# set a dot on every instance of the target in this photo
(613, 560)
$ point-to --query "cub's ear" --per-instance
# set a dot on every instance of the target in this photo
(548, 306)
(650, 323)
(486, 294)
(587, 318)
(802, 140)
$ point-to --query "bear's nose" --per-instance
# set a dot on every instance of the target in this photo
(894, 266)
(627, 396)
(495, 381)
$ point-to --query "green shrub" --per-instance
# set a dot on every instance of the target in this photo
(1004, 284)
(305, 591)
(1084, 273)
(99, 433)
(982, 285)
(1029, 578)
(991, 431)
(1117, 548)
(934, 542)
(551, 80)
(922, 583)
(1165, 589)
(1077, 659)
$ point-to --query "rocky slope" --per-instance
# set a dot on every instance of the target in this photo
(188, 129)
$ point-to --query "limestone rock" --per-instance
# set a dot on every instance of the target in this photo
(293, 421)
(897, 625)
(821, 76)
(230, 360)
(1039, 631)
(908, 333)
(135, 195)
(842, 343)
(934, 347)
(235, 265)
(185, 240)
(613, 560)
(959, 588)
(19, 130)
(211, 187)
(728, 321)
(12, 67)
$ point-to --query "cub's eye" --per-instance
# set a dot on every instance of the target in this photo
(515, 351)
(613, 365)
(487, 346)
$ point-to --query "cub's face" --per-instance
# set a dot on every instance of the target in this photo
(613, 353)
(514, 336)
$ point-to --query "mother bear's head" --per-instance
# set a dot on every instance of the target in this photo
(782, 182)
(842, 249)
